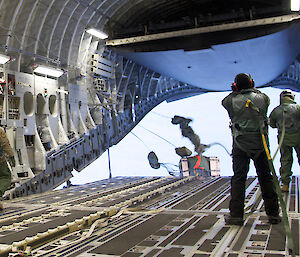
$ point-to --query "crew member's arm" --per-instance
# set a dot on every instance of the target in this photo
(267, 99)
(298, 111)
(273, 119)
(227, 104)
(6, 146)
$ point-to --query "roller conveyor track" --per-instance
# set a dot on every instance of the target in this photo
(140, 216)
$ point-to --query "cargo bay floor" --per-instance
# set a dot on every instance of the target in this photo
(144, 216)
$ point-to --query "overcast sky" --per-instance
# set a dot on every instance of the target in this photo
(210, 122)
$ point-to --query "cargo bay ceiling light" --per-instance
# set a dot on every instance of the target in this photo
(295, 5)
(97, 33)
(4, 59)
(48, 71)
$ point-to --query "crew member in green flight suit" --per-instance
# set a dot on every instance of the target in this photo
(247, 108)
(289, 112)
(6, 155)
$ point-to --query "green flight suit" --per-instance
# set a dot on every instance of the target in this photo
(247, 110)
(245, 120)
(291, 113)
(5, 178)
(5, 152)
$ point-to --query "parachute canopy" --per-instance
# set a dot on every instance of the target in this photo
(153, 160)
(183, 151)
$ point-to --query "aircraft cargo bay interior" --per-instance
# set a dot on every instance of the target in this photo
(77, 76)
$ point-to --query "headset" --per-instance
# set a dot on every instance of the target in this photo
(234, 85)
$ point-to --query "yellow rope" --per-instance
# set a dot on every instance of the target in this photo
(266, 146)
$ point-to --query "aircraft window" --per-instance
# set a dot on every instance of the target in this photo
(53, 105)
(41, 103)
(28, 103)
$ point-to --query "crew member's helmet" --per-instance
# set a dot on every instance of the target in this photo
(242, 81)
(287, 93)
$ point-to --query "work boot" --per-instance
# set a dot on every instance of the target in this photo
(285, 187)
(229, 220)
(274, 219)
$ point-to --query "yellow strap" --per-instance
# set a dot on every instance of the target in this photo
(248, 103)
(266, 146)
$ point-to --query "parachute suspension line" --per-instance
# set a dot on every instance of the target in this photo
(158, 136)
(216, 143)
(141, 141)
(161, 115)
(172, 171)
(171, 164)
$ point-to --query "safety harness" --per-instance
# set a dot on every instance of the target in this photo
(244, 124)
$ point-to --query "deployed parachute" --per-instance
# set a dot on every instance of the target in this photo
(171, 168)
(188, 132)
(153, 160)
(198, 165)
(183, 151)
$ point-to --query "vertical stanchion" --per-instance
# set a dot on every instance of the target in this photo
(109, 167)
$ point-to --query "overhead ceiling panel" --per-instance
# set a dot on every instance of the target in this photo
(145, 13)
(54, 30)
